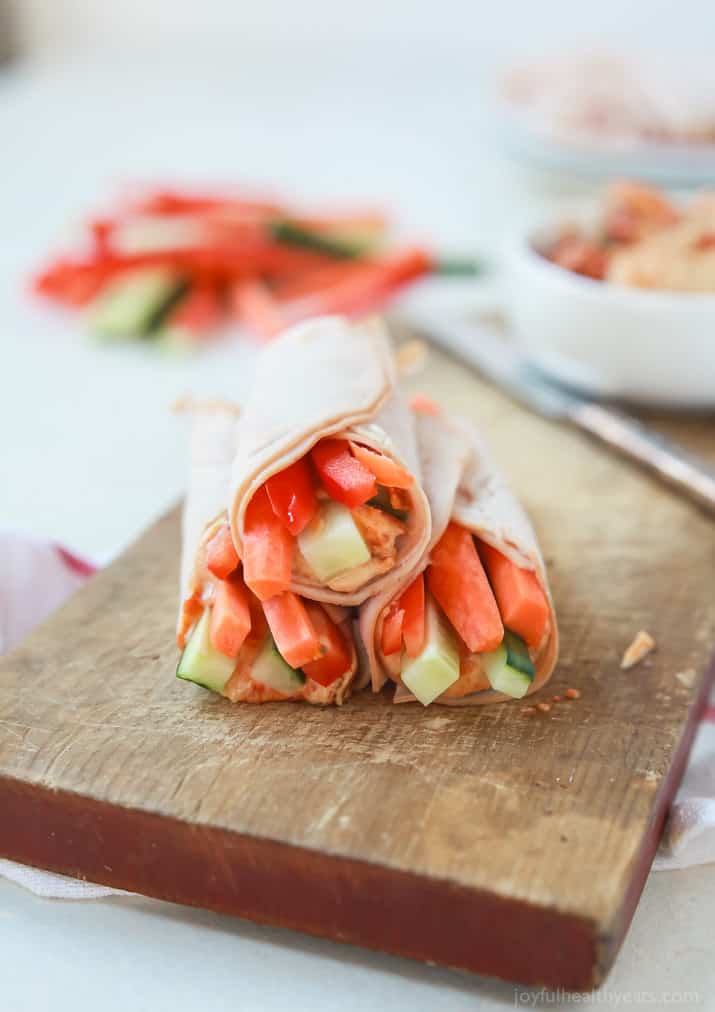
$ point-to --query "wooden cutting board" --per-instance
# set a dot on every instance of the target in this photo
(489, 839)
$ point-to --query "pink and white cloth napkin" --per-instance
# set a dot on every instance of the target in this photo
(37, 576)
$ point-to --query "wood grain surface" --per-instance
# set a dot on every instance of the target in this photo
(488, 839)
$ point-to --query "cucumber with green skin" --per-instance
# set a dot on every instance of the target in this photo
(458, 267)
(270, 669)
(331, 543)
(436, 667)
(135, 303)
(509, 668)
(201, 663)
(290, 234)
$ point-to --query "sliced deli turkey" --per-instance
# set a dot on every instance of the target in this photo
(326, 497)
(285, 648)
(473, 622)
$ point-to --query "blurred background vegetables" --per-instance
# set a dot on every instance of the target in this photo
(173, 265)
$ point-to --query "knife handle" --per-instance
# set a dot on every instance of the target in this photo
(684, 472)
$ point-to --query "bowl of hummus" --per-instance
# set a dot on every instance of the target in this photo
(620, 300)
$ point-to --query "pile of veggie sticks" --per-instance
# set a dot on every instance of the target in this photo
(206, 259)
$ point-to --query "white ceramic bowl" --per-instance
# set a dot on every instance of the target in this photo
(649, 347)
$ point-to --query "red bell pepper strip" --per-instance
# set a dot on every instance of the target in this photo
(311, 282)
(169, 201)
(230, 617)
(198, 313)
(344, 478)
(363, 291)
(71, 282)
(412, 601)
(385, 470)
(224, 262)
(82, 288)
(221, 554)
(391, 638)
(268, 549)
(292, 496)
(522, 603)
(457, 580)
(335, 656)
(257, 309)
(292, 629)
(101, 230)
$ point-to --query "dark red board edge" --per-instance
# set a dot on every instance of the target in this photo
(273, 883)
(343, 899)
(611, 941)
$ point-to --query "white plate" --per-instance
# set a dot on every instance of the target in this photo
(666, 164)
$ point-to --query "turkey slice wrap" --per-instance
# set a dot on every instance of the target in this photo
(465, 488)
(213, 445)
(329, 380)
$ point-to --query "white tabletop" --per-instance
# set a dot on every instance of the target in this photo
(90, 453)
(119, 954)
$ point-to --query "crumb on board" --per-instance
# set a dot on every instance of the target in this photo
(528, 709)
(543, 707)
(638, 649)
(687, 677)
(556, 699)
(572, 693)
(411, 357)
(424, 404)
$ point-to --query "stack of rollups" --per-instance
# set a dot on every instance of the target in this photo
(335, 538)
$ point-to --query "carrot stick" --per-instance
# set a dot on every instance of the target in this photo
(221, 555)
(522, 603)
(230, 617)
(457, 580)
(268, 549)
(292, 629)
(385, 470)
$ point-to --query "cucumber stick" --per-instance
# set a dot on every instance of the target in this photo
(437, 666)
(270, 669)
(331, 543)
(509, 668)
(200, 663)
(343, 246)
(134, 304)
